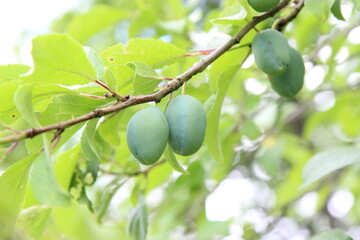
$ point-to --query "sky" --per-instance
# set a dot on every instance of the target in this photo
(21, 20)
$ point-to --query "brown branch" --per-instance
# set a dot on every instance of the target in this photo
(168, 88)
(146, 171)
(281, 23)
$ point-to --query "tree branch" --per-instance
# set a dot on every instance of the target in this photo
(168, 88)
(280, 23)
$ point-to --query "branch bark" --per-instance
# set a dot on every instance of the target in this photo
(281, 23)
(170, 87)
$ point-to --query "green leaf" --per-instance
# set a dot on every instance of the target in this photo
(106, 198)
(43, 181)
(138, 221)
(331, 235)
(69, 106)
(144, 81)
(233, 14)
(23, 102)
(319, 8)
(89, 150)
(111, 54)
(115, 58)
(76, 222)
(336, 10)
(357, 4)
(212, 131)
(12, 72)
(100, 17)
(96, 61)
(8, 111)
(110, 128)
(110, 79)
(65, 165)
(327, 162)
(171, 159)
(250, 129)
(271, 156)
(34, 220)
(13, 184)
(153, 52)
(61, 60)
(40, 97)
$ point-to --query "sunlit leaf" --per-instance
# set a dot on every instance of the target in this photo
(68, 106)
(65, 165)
(110, 79)
(58, 59)
(34, 220)
(154, 52)
(357, 4)
(43, 181)
(319, 8)
(40, 98)
(233, 14)
(23, 102)
(145, 78)
(96, 61)
(13, 182)
(12, 72)
(76, 222)
(8, 111)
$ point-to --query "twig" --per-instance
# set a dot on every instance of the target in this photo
(198, 53)
(146, 171)
(11, 148)
(280, 23)
(106, 87)
(161, 78)
(171, 86)
(183, 89)
(93, 96)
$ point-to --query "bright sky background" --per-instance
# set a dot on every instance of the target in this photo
(31, 16)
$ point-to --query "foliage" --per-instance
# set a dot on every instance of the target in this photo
(67, 172)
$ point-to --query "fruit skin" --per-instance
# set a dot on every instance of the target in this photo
(290, 83)
(271, 51)
(147, 135)
(187, 122)
(263, 5)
